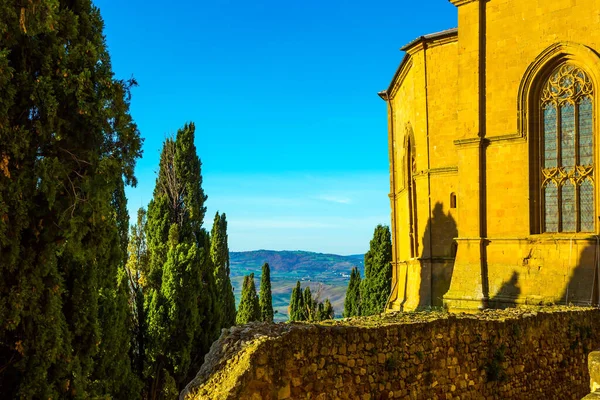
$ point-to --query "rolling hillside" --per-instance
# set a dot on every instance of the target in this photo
(328, 273)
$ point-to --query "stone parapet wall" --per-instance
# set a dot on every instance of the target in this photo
(512, 354)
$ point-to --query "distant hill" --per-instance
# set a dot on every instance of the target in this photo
(327, 273)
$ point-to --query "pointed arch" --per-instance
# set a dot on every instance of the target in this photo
(542, 66)
(410, 168)
(558, 111)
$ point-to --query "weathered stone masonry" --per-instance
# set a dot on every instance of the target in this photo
(510, 354)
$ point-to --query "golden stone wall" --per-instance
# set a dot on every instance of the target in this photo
(500, 354)
(469, 100)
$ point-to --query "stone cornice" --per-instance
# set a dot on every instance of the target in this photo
(459, 3)
(437, 171)
(476, 141)
(509, 137)
(399, 76)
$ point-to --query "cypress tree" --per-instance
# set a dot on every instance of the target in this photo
(296, 309)
(326, 310)
(179, 298)
(376, 287)
(308, 311)
(352, 300)
(137, 268)
(249, 309)
(265, 297)
(219, 254)
(67, 145)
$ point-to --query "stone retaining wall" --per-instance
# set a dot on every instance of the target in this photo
(511, 354)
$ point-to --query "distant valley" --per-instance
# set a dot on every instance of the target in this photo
(328, 273)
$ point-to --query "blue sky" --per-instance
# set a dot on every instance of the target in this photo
(289, 128)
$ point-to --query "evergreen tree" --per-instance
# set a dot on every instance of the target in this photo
(219, 254)
(249, 309)
(137, 268)
(310, 305)
(67, 145)
(179, 292)
(325, 311)
(296, 308)
(305, 307)
(376, 286)
(265, 297)
(352, 300)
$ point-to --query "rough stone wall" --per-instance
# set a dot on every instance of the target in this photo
(511, 354)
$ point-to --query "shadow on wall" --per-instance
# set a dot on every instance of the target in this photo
(582, 286)
(575, 285)
(507, 295)
(439, 251)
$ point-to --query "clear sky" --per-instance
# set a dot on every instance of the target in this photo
(289, 128)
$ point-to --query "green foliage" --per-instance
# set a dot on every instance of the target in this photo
(376, 286)
(296, 308)
(391, 363)
(306, 307)
(67, 147)
(309, 309)
(352, 300)
(137, 269)
(180, 303)
(219, 254)
(325, 311)
(494, 369)
(265, 297)
(249, 309)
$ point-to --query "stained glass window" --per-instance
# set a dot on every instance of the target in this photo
(551, 200)
(567, 135)
(550, 136)
(567, 150)
(586, 152)
(568, 213)
(586, 205)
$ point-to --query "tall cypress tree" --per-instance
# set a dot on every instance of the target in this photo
(352, 300)
(376, 287)
(249, 309)
(325, 311)
(219, 254)
(296, 308)
(67, 145)
(137, 269)
(265, 297)
(308, 311)
(180, 293)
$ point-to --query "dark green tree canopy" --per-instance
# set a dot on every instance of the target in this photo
(249, 309)
(304, 306)
(296, 308)
(180, 296)
(352, 300)
(265, 297)
(67, 147)
(376, 287)
(219, 253)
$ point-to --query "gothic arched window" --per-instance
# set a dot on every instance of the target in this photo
(566, 170)
(411, 163)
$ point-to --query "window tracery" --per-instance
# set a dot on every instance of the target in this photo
(567, 155)
(411, 164)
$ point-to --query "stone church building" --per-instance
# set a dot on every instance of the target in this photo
(493, 147)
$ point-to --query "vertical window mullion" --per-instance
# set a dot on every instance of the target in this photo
(577, 209)
(559, 163)
(565, 177)
(576, 150)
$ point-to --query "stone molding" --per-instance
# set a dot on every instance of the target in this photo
(557, 53)
(459, 3)
(405, 66)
